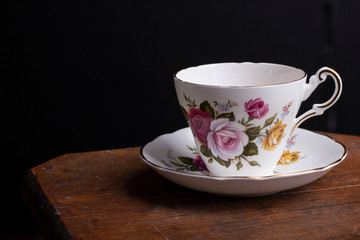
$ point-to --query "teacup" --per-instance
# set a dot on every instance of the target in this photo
(241, 114)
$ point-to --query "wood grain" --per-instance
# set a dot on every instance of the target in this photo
(112, 194)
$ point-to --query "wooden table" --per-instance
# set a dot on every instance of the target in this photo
(114, 195)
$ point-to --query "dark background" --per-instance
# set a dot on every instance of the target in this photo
(92, 75)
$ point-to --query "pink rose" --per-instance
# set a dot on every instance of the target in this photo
(200, 124)
(225, 139)
(200, 163)
(256, 108)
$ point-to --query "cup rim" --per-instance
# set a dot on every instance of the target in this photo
(235, 86)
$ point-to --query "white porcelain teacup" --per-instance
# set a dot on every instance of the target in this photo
(241, 114)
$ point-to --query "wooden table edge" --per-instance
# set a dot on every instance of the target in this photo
(42, 210)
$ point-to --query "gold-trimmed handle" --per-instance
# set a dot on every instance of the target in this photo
(315, 80)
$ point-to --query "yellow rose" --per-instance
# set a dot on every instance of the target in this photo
(273, 139)
(288, 157)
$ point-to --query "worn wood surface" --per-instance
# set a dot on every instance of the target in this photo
(114, 195)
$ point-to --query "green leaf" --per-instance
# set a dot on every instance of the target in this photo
(190, 148)
(269, 121)
(206, 107)
(193, 103)
(206, 151)
(229, 115)
(177, 164)
(253, 132)
(180, 169)
(222, 162)
(186, 160)
(194, 168)
(254, 163)
(210, 160)
(251, 149)
(239, 165)
(184, 112)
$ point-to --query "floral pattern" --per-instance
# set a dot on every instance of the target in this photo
(196, 163)
(223, 107)
(186, 163)
(256, 108)
(225, 139)
(228, 140)
(274, 136)
(288, 157)
(201, 124)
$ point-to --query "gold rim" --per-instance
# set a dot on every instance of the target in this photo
(252, 177)
(301, 120)
(215, 86)
(334, 75)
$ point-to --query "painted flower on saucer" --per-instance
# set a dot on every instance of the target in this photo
(183, 163)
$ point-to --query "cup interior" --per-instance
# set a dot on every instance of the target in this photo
(240, 74)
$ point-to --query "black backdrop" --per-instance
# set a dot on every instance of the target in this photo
(91, 75)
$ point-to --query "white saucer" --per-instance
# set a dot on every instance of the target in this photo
(171, 156)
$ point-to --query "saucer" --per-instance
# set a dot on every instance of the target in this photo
(175, 157)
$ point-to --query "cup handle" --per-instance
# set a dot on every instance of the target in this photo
(315, 80)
